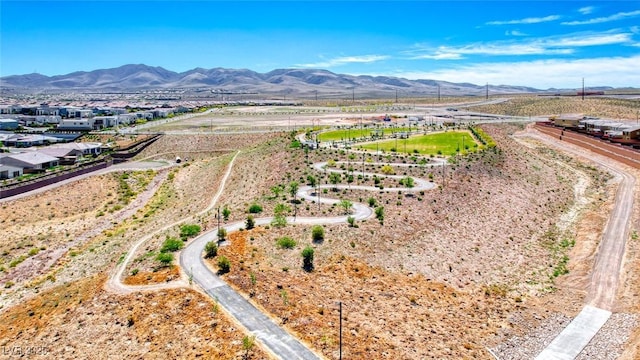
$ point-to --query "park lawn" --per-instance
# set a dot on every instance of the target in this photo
(344, 134)
(446, 143)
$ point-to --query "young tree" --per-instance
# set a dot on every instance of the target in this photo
(222, 234)
(248, 342)
(250, 223)
(311, 180)
(335, 178)
(225, 213)
(293, 188)
(224, 265)
(307, 258)
(276, 190)
(279, 219)
(317, 233)
(210, 250)
(408, 182)
(346, 204)
(380, 214)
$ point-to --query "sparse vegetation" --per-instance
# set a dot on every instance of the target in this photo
(307, 258)
(224, 265)
(210, 250)
(171, 244)
(317, 233)
(286, 243)
(189, 230)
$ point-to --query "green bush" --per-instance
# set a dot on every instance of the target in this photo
(225, 213)
(224, 265)
(317, 233)
(307, 258)
(210, 250)
(222, 234)
(189, 230)
(255, 209)
(380, 214)
(171, 245)
(372, 202)
(165, 258)
(286, 243)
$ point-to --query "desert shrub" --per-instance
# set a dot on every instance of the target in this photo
(286, 243)
(250, 223)
(171, 244)
(189, 230)
(222, 234)
(225, 213)
(387, 170)
(317, 233)
(255, 209)
(380, 214)
(372, 202)
(224, 265)
(307, 258)
(351, 220)
(210, 249)
(165, 258)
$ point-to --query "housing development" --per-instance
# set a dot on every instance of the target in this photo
(423, 227)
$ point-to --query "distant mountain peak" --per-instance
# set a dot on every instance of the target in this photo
(287, 80)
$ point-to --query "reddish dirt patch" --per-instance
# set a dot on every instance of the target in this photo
(385, 314)
(81, 320)
(153, 277)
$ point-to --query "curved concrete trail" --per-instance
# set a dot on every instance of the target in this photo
(607, 266)
(276, 340)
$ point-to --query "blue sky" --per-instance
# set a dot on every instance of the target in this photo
(542, 44)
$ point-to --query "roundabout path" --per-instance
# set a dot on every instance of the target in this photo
(275, 339)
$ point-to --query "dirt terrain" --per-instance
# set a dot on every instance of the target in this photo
(81, 320)
(503, 245)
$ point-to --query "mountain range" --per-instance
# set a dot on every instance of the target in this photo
(281, 81)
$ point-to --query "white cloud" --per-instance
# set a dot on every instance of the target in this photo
(586, 10)
(515, 33)
(555, 45)
(531, 20)
(614, 17)
(345, 60)
(542, 74)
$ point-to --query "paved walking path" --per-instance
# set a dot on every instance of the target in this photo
(607, 267)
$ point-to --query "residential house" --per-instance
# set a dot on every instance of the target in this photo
(32, 161)
(28, 140)
(10, 172)
(8, 124)
(46, 110)
(76, 124)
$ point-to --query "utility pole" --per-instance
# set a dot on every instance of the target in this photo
(438, 93)
(353, 95)
(218, 219)
(340, 330)
(396, 95)
(487, 92)
(582, 89)
(316, 95)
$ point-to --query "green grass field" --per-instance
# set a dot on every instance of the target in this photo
(434, 144)
(344, 134)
